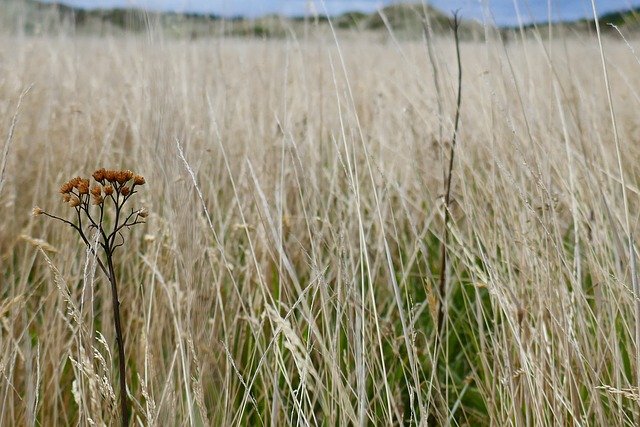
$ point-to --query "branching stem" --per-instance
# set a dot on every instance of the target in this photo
(116, 187)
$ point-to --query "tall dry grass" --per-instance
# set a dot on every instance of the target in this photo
(288, 270)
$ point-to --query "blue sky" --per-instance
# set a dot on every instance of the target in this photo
(502, 12)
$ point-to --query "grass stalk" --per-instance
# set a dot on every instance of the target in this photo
(442, 311)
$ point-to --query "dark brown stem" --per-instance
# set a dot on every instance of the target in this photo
(124, 408)
(447, 194)
(82, 236)
(445, 236)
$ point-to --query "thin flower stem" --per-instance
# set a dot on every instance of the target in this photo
(84, 239)
(121, 357)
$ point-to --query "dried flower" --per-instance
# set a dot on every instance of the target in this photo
(110, 175)
(74, 202)
(123, 176)
(66, 188)
(96, 199)
(76, 192)
(83, 186)
(99, 175)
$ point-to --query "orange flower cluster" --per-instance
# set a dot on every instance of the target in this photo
(120, 177)
(82, 185)
(77, 190)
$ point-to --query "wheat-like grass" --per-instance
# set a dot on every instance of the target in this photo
(289, 271)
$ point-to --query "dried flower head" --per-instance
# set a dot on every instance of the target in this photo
(99, 175)
(123, 176)
(96, 190)
(113, 190)
(73, 184)
(83, 186)
(110, 175)
(66, 188)
(79, 193)
(96, 199)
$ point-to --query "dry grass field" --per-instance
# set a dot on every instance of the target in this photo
(288, 271)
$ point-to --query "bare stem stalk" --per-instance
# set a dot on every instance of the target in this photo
(447, 205)
(124, 407)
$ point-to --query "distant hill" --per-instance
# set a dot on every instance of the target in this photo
(406, 21)
(627, 20)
